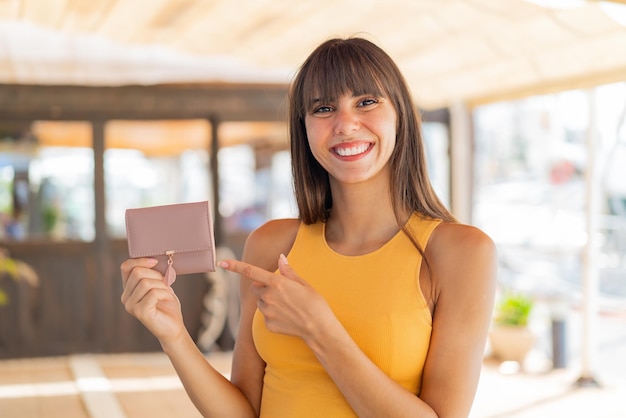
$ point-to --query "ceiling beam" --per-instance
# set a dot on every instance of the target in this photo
(226, 102)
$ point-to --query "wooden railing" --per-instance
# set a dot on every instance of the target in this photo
(76, 306)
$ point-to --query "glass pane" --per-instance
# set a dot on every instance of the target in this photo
(46, 183)
(282, 200)
(150, 163)
(255, 176)
(531, 158)
(254, 187)
(242, 205)
(437, 141)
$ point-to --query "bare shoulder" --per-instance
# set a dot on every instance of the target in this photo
(459, 240)
(275, 233)
(265, 244)
(461, 251)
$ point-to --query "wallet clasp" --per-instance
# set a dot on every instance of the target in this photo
(170, 256)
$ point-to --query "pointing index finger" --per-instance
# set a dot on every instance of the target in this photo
(247, 270)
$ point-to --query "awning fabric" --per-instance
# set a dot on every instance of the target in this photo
(450, 50)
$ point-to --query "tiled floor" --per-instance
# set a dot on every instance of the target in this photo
(546, 394)
(39, 388)
(145, 385)
(96, 386)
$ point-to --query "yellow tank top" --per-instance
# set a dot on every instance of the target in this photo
(377, 298)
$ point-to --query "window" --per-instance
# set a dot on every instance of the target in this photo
(46, 184)
(148, 163)
(531, 158)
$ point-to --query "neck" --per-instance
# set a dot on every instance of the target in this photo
(361, 219)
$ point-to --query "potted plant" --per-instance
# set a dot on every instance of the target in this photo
(510, 337)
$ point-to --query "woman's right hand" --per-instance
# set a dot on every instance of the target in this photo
(148, 298)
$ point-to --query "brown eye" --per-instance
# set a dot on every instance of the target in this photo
(367, 102)
(321, 109)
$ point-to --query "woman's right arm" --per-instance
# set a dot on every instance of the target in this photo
(149, 299)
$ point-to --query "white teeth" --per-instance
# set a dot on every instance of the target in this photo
(347, 152)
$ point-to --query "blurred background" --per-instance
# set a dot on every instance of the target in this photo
(113, 104)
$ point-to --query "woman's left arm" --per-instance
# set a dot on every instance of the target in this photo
(464, 266)
(462, 260)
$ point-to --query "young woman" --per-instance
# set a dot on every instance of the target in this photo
(375, 302)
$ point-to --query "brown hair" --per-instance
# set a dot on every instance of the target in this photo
(357, 66)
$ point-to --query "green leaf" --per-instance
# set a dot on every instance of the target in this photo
(514, 309)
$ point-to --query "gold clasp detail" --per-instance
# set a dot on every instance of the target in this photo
(170, 257)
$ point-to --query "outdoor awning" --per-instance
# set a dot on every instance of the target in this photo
(450, 50)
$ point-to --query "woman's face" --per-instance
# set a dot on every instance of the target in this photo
(352, 138)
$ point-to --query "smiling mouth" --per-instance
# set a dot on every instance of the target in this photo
(352, 151)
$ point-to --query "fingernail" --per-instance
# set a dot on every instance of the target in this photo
(284, 259)
(223, 264)
(153, 261)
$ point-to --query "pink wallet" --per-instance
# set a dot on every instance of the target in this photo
(179, 236)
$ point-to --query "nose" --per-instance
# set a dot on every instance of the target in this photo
(346, 122)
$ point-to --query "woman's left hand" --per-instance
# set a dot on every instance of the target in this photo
(289, 304)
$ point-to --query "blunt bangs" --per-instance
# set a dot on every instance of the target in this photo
(339, 69)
